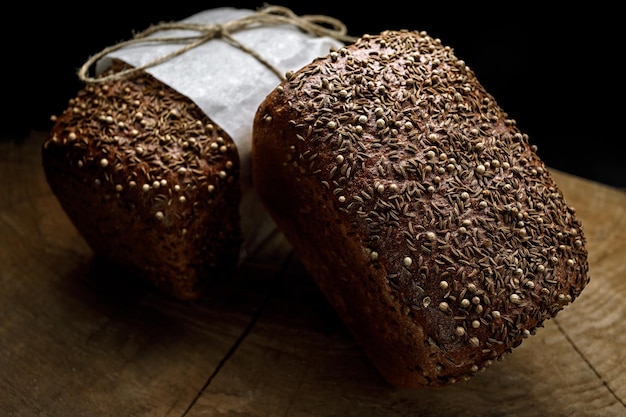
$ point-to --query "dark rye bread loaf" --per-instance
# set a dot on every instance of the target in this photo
(417, 205)
(149, 181)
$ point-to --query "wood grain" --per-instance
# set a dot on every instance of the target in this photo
(80, 338)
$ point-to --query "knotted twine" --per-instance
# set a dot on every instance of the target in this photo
(318, 25)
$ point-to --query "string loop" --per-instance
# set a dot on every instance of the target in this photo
(317, 25)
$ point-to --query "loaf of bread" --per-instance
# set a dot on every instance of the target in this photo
(149, 181)
(151, 158)
(418, 206)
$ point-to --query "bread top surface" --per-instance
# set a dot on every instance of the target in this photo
(417, 204)
(147, 179)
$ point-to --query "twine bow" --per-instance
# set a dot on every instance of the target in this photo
(318, 25)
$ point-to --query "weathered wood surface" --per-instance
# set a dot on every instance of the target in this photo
(79, 339)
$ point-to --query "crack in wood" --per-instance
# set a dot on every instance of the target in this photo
(247, 330)
(597, 373)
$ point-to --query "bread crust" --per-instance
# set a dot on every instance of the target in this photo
(417, 205)
(149, 181)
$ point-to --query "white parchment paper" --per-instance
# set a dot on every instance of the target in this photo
(229, 84)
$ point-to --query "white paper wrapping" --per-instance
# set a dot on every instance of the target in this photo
(229, 84)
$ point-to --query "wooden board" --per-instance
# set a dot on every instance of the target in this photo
(78, 338)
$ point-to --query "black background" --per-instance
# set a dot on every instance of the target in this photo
(557, 72)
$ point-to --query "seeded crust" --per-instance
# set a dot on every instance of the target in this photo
(417, 205)
(149, 181)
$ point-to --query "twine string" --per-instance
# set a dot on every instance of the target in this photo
(317, 25)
